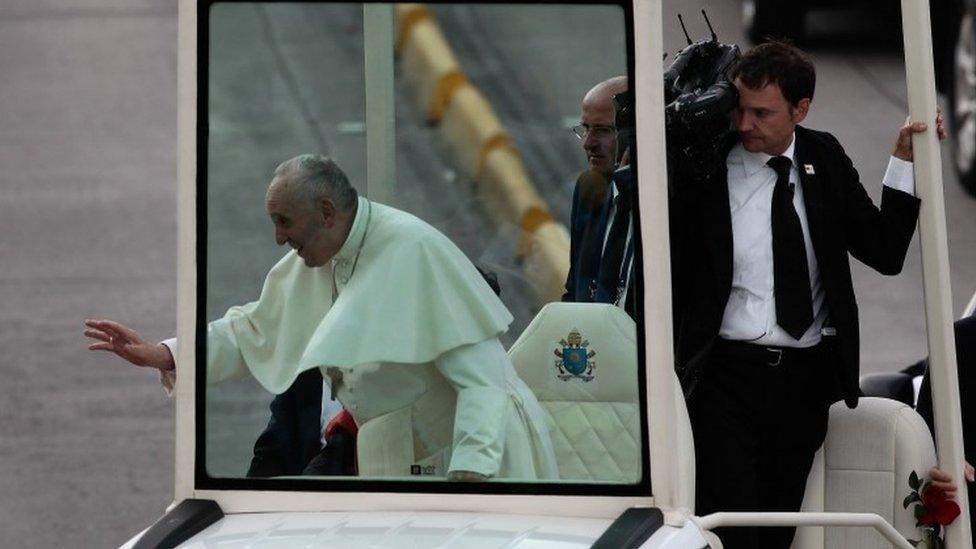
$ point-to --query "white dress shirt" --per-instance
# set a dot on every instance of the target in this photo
(750, 314)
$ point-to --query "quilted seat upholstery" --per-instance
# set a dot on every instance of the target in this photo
(593, 417)
(863, 467)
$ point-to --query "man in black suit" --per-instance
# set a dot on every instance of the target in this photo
(601, 243)
(766, 328)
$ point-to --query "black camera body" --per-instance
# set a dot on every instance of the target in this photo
(626, 124)
(696, 86)
(699, 100)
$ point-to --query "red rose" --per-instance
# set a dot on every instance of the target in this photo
(941, 510)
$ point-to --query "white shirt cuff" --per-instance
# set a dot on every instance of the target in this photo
(900, 176)
(168, 378)
(171, 345)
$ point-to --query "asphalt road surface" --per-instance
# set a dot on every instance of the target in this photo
(87, 209)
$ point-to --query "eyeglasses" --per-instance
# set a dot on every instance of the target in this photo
(582, 130)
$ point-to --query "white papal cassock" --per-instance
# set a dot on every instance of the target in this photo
(409, 345)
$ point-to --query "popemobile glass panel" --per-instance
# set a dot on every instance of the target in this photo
(450, 322)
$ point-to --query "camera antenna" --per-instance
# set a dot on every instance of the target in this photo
(683, 29)
(709, 23)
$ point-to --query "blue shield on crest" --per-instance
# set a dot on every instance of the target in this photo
(574, 360)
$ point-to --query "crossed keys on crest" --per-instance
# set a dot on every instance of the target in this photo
(573, 359)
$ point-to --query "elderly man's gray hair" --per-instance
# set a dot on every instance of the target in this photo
(317, 177)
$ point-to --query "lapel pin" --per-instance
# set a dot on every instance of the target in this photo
(809, 169)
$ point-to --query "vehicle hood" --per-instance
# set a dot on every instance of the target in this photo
(403, 530)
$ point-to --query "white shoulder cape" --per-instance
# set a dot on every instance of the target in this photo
(413, 296)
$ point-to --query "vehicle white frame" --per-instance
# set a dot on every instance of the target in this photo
(661, 395)
(233, 501)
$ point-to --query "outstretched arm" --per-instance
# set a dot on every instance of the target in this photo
(127, 344)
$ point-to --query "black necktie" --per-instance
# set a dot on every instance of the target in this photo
(791, 274)
(613, 253)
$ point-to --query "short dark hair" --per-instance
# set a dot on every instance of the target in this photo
(779, 63)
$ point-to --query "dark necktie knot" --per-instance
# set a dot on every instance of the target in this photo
(781, 165)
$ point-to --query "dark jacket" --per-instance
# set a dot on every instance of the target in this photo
(293, 435)
(965, 334)
(587, 231)
(842, 219)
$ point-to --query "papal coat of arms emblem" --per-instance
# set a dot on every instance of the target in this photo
(573, 360)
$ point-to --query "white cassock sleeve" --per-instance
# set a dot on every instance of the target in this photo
(224, 359)
(477, 373)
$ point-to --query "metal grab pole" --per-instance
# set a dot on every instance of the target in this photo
(870, 520)
(917, 30)
(669, 475)
(186, 252)
(380, 114)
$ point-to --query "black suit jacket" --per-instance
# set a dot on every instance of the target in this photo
(588, 229)
(842, 220)
(965, 334)
(293, 436)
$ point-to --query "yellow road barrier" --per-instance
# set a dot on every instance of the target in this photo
(482, 148)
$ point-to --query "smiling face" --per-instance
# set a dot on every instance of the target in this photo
(306, 226)
(765, 119)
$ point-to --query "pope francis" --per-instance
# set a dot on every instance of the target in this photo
(402, 326)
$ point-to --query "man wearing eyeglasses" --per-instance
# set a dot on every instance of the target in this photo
(600, 227)
(596, 129)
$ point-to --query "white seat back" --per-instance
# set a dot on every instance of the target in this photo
(593, 417)
(863, 467)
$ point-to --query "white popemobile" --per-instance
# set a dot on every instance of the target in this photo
(613, 406)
